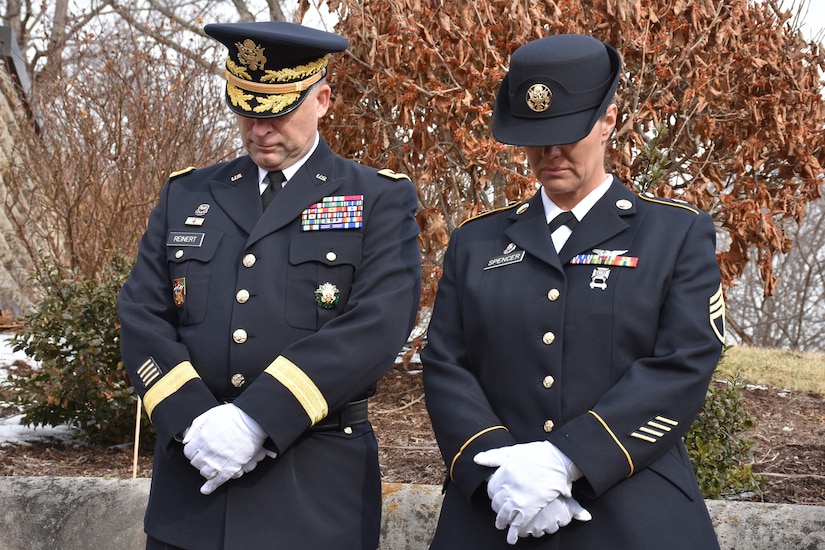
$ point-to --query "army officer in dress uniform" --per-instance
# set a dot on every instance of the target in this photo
(256, 334)
(565, 365)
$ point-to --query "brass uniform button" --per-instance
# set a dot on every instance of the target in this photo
(548, 382)
(548, 338)
(238, 380)
(249, 260)
(239, 336)
(553, 294)
(549, 425)
(242, 296)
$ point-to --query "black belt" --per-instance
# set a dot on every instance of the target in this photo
(353, 413)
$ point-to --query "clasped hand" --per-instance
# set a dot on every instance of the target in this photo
(224, 443)
(531, 489)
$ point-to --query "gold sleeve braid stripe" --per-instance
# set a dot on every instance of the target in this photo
(301, 386)
(169, 383)
(466, 443)
(616, 440)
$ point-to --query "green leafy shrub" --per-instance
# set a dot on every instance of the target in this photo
(74, 336)
(718, 451)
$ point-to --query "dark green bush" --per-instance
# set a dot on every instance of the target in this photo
(717, 449)
(74, 336)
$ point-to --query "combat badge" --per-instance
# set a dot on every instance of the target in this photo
(179, 291)
(327, 296)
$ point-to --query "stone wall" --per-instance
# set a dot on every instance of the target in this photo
(62, 513)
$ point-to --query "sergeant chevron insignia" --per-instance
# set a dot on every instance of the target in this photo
(717, 314)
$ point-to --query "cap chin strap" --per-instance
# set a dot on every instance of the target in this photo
(273, 89)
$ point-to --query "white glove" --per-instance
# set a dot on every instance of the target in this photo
(551, 518)
(528, 477)
(222, 444)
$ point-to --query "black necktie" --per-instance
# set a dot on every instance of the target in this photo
(275, 178)
(565, 218)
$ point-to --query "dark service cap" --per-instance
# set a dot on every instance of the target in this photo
(272, 64)
(556, 89)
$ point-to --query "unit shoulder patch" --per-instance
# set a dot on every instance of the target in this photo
(650, 197)
(488, 212)
(393, 175)
(186, 170)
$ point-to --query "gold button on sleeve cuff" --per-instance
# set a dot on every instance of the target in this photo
(301, 386)
(616, 440)
(169, 383)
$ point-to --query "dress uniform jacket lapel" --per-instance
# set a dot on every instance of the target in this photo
(236, 192)
(605, 220)
(529, 231)
(313, 181)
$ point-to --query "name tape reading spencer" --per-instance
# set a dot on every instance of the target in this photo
(180, 238)
(507, 259)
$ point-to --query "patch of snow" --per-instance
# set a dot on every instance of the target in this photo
(12, 431)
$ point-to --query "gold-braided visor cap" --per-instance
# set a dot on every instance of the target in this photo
(272, 64)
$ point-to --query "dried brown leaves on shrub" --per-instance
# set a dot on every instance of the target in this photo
(732, 91)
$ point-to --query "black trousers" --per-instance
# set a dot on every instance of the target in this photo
(154, 544)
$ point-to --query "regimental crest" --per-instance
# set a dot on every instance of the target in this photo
(251, 55)
(539, 98)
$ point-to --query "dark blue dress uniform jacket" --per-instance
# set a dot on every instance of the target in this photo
(608, 358)
(221, 306)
